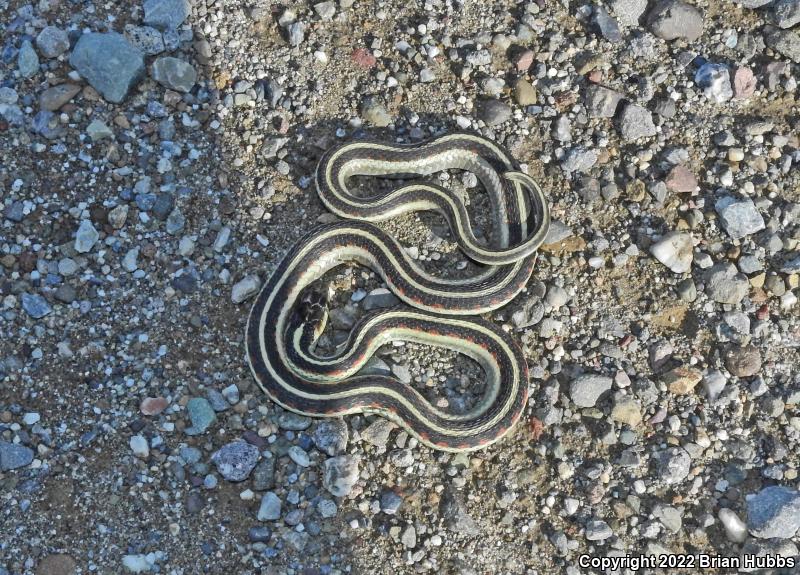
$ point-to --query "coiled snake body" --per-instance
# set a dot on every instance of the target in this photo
(280, 340)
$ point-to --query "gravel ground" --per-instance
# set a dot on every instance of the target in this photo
(156, 164)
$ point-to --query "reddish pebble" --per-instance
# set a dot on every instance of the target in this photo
(681, 180)
(363, 58)
(763, 312)
(523, 60)
(537, 428)
(153, 405)
(744, 83)
(595, 76)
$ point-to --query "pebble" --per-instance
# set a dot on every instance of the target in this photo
(174, 73)
(524, 93)
(245, 288)
(264, 474)
(377, 433)
(735, 528)
(601, 102)
(598, 530)
(27, 60)
(785, 13)
(374, 113)
(725, 285)
(635, 122)
(201, 415)
(743, 361)
(139, 446)
(629, 12)
(236, 460)
(773, 513)
(340, 474)
(299, 456)
(673, 465)
(586, 389)
(682, 380)
(166, 14)
(673, 19)
(494, 112)
(153, 405)
(715, 81)
(14, 456)
(330, 436)
(109, 63)
(681, 180)
(785, 42)
(270, 508)
(86, 237)
(744, 82)
(35, 305)
(675, 250)
(52, 42)
(739, 217)
(136, 563)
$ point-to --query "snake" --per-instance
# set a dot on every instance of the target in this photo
(289, 315)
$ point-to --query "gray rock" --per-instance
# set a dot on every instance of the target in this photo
(785, 13)
(52, 41)
(390, 502)
(166, 14)
(296, 33)
(753, 3)
(293, 421)
(740, 218)
(606, 24)
(236, 460)
(98, 130)
(340, 474)
(455, 515)
(531, 313)
(635, 122)
(325, 10)
(86, 237)
(379, 298)
(784, 41)
(245, 288)
(377, 433)
(109, 63)
(27, 60)
(579, 159)
(145, 38)
(597, 530)
(669, 516)
(724, 284)
(260, 534)
(35, 305)
(299, 456)
(672, 19)
(494, 112)
(673, 465)
(15, 212)
(601, 102)
(585, 389)
(331, 436)
(674, 250)
(774, 512)
(715, 80)
(14, 456)
(270, 508)
(558, 231)
(264, 474)
(374, 112)
(629, 12)
(201, 415)
(174, 74)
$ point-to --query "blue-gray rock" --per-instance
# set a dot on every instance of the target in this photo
(785, 13)
(175, 222)
(86, 237)
(597, 530)
(163, 205)
(494, 112)
(296, 33)
(673, 19)
(792, 266)
(724, 284)
(579, 159)
(331, 436)
(52, 41)
(27, 60)
(264, 474)
(390, 502)
(293, 421)
(635, 122)
(715, 80)
(774, 512)
(340, 474)
(15, 211)
(673, 465)
(739, 217)
(585, 390)
(145, 38)
(110, 63)
(13, 456)
(236, 460)
(174, 74)
(606, 24)
(201, 414)
(270, 508)
(166, 14)
(35, 305)
(260, 534)
(786, 42)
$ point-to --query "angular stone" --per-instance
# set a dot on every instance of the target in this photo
(739, 217)
(681, 180)
(724, 284)
(682, 380)
(586, 389)
(52, 41)
(744, 82)
(35, 305)
(774, 513)
(340, 474)
(145, 38)
(246, 288)
(174, 74)
(166, 14)
(109, 63)
(270, 508)
(14, 456)
(27, 60)
(86, 237)
(635, 122)
(675, 250)
(785, 13)
(786, 42)
(524, 93)
(601, 102)
(715, 80)
(627, 410)
(236, 460)
(494, 112)
(673, 465)
(672, 19)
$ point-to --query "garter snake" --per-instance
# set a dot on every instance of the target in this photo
(285, 320)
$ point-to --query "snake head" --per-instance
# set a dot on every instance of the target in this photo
(313, 310)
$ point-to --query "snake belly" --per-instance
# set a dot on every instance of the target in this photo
(277, 345)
